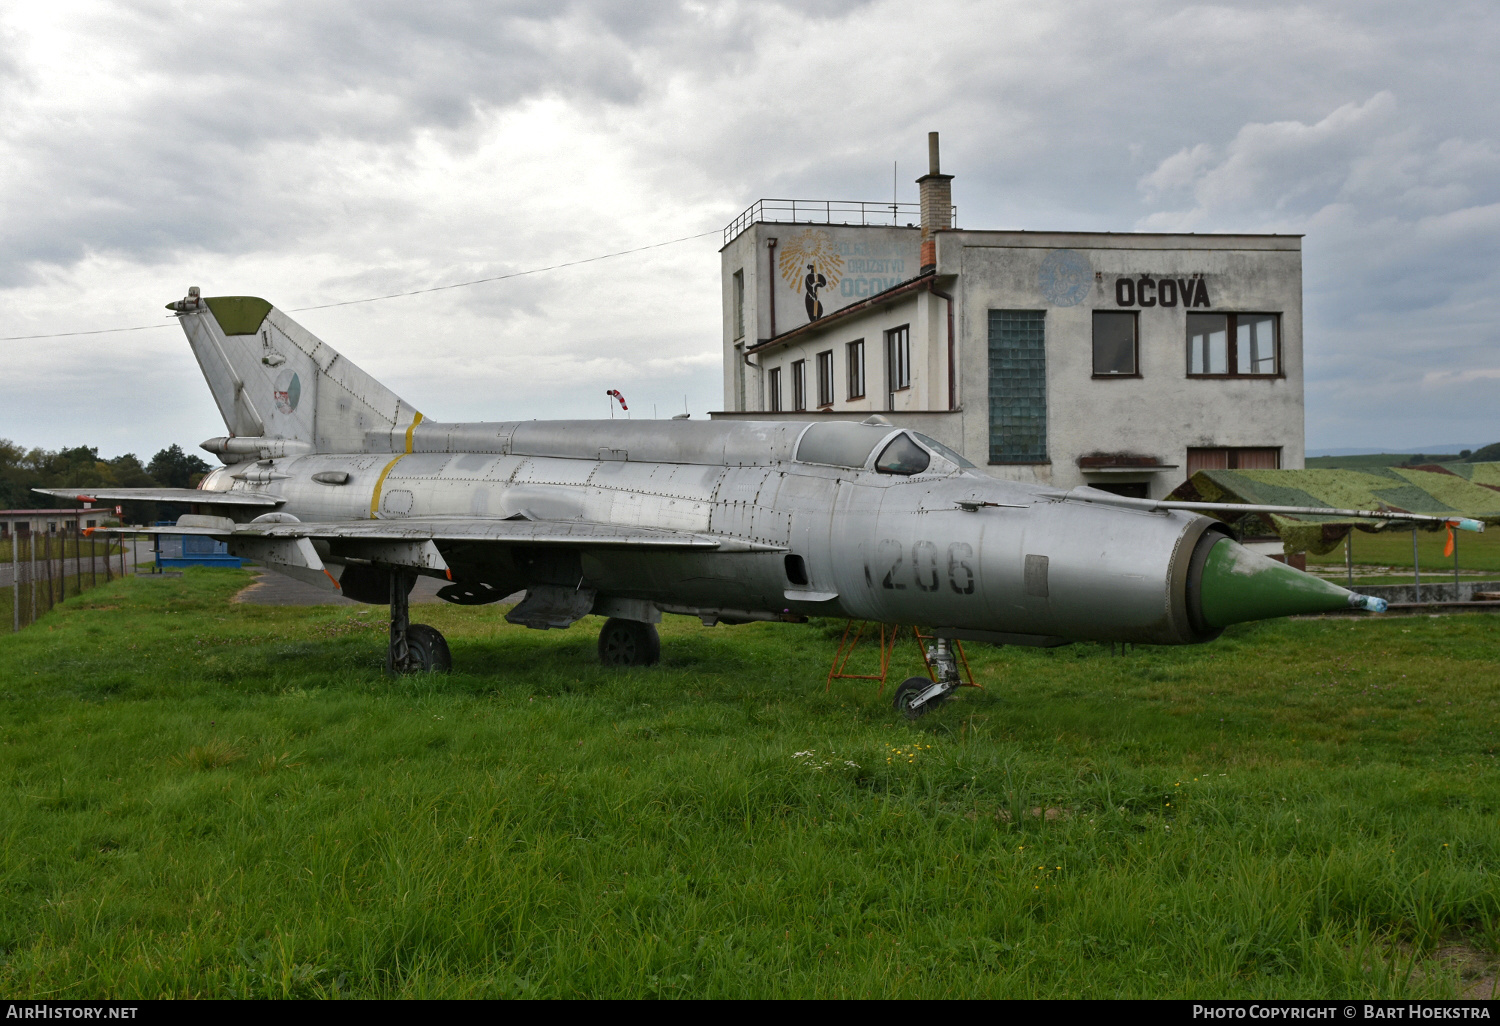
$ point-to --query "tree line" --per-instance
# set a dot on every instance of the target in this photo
(23, 469)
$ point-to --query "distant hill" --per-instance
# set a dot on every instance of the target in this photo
(1361, 460)
(1446, 448)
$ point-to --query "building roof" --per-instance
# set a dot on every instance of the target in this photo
(896, 291)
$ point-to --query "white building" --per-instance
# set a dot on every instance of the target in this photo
(1120, 360)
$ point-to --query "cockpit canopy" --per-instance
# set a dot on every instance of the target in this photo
(843, 444)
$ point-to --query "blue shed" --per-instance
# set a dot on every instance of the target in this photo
(179, 550)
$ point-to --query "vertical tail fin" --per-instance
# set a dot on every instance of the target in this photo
(274, 380)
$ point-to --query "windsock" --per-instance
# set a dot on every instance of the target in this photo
(617, 396)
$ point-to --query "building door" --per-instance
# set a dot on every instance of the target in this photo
(1233, 459)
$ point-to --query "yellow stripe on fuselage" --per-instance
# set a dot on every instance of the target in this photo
(380, 481)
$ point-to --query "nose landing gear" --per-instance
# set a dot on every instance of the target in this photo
(415, 647)
(915, 695)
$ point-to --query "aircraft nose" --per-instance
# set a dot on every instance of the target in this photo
(1237, 585)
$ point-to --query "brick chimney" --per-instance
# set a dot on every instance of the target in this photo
(937, 204)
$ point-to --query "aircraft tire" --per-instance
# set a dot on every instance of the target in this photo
(905, 692)
(628, 643)
(429, 650)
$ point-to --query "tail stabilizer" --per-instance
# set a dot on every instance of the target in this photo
(275, 381)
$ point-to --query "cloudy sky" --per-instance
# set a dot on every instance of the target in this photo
(326, 150)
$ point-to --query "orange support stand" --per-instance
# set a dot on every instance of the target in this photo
(888, 636)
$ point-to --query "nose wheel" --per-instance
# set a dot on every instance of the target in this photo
(415, 647)
(915, 695)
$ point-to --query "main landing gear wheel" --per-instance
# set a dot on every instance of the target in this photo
(426, 651)
(907, 690)
(628, 643)
(414, 647)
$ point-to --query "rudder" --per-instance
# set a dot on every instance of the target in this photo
(274, 380)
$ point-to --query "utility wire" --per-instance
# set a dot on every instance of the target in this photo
(395, 295)
(502, 277)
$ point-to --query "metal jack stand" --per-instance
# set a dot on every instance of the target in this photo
(846, 650)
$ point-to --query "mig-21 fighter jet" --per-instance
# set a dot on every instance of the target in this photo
(333, 479)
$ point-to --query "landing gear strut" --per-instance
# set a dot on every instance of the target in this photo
(628, 643)
(415, 647)
(916, 695)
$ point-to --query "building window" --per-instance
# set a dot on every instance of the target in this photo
(825, 378)
(773, 389)
(1234, 345)
(737, 300)
(1114, 343)
(898, 357)
(799, 384)
(1018, 386)
(1259, 458)
(856, 353)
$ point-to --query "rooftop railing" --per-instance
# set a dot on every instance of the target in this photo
(795, 211)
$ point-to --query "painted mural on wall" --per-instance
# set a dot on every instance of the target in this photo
(1065, 277)
(821, 270)
(809, 263)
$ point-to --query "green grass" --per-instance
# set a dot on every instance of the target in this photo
(212, 799)
(1428, 577)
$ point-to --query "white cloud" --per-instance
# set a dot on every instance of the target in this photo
(326, 150)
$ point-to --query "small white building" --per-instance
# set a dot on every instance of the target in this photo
(1121, 360)
(26, 522)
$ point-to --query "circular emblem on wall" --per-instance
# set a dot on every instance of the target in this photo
(1065, 277)
(286, 391)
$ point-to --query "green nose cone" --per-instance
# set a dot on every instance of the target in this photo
(1239, 585)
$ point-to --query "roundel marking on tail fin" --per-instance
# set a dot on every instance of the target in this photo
(286, 391)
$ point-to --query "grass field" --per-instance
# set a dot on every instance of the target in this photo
(212, 799)
(1476, 551)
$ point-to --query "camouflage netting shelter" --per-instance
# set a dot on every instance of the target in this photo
(1458, 489)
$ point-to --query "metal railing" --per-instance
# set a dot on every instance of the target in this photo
(795, 211)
